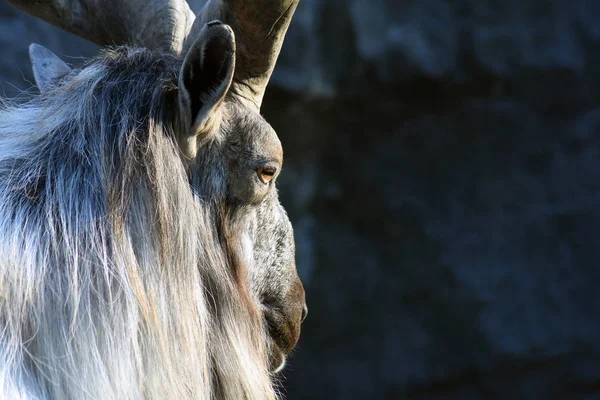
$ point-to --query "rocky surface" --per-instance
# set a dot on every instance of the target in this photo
(443, 175)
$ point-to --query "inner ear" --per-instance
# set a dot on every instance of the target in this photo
(207, 73)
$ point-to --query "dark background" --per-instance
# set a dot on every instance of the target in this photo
(442, 173)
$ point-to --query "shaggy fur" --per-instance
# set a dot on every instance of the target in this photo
(124, 270)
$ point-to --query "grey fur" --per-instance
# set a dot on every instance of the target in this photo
(126, 270)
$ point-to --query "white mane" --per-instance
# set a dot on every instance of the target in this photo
(114, 281)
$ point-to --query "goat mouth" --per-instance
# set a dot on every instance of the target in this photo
(277, 360)
(283, 340)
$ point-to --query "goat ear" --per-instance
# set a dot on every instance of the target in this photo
(205, 78)
(47, 67)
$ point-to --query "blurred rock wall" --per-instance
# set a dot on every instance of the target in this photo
(443, 176)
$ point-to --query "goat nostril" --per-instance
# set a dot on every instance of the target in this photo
(304, 312)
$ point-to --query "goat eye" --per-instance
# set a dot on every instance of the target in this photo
(266, 174)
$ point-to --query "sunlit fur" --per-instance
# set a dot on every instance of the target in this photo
(116, 277)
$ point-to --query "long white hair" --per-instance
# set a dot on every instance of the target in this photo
(115, 278)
